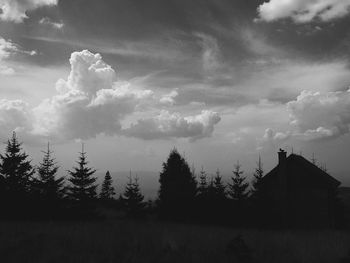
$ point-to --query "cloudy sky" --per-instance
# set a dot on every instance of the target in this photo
(220, 80)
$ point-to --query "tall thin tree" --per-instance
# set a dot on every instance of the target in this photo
(50, 186)
(83, 183)
(132, 198)
(258, 176)
(203, 182)
(238, 187)
(220, 189)
(107, 190)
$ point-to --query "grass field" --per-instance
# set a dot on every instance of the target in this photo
(124, 241)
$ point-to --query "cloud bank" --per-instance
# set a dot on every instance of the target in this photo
(303, 11)
(15, 10)
(167, 125)
(91, 101)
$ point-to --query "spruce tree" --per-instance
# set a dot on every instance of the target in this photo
(50, 187)
(203, 184)
(16, 169)
(132, 198)
(258, 175)
(238, 187)
(107, 190)
(83, 184)
(178, 187)
(219, 187)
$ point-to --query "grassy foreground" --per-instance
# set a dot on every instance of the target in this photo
(122, 241)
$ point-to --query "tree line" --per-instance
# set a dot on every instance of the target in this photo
(37, 192)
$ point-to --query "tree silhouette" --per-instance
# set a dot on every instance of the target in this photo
(107, 190)
(258, 175)
(132, 198)
(238, 187)
(219, 187)
(15, 168)
(83, 184)
(50, 187)
(178, 187)
(203, 184)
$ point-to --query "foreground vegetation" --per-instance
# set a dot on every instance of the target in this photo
(149, 241)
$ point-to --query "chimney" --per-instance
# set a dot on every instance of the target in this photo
(282, 156)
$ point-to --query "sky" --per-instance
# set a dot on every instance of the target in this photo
(222, 81)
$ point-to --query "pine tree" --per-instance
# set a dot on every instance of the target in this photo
(16, 169)
(220, 189)
(203, 184)
(178, 187)
(258, 175)
(132, 198)
(107, 190)
(50, 187)
(238, 187)
(83, 184)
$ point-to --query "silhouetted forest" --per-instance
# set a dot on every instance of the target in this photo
(29, 192)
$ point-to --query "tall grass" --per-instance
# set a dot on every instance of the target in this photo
(123, 241)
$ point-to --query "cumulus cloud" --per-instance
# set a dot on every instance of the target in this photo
(167, 125)
(275, 137)
(169, 99)
(15, 115)
(91, 102)
(15, 10)
(47, 21)
(303, 11)
(320, 115)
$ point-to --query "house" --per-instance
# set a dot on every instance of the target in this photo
(299, 193)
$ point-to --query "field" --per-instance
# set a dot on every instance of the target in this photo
(123, 241)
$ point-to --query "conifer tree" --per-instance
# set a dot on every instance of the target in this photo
(203, 184)
(83, 184)
(50, 187)
(220, 189)
(15, 168)
(132, 197)
(238, 187)
(178, 187)
(107, 190)
(258, 175)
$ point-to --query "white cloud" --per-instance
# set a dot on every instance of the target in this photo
(15, 115)
(169, 99)
(167, 125)
(15, 10)
(275, 137)
(89, 73)
(319, 115)
(90, 102)
(303, 11)
(7, 47)
(49, 22)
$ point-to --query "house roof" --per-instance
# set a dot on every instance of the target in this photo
(300, 171)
